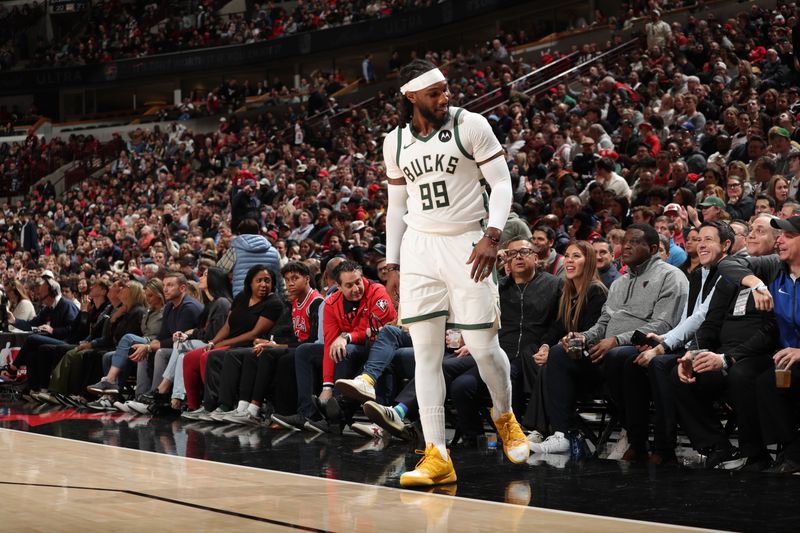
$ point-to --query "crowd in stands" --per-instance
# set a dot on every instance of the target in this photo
(656, 217)
(121, 30)
(16, 21)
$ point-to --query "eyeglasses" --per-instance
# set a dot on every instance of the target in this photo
(734, 185)
(522, 252)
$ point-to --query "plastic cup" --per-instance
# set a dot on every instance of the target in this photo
(783, 378)
(575, 347)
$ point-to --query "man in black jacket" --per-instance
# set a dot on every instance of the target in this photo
(528, 305)
(734, 346)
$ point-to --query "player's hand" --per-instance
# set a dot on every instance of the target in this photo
(483, 259)
(393, 286)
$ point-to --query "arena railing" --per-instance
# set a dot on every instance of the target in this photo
(497, 96)
(608, 57)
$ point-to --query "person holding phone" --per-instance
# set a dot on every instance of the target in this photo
(649, 297)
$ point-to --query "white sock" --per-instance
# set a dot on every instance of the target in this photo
(242, 407)
(428, 339)
(432, 419)
(253, 409)
(493, 366)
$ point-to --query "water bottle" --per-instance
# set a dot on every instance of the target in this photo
(491, 442)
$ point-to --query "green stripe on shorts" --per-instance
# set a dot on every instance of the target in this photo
(427, 316)
(485, 325)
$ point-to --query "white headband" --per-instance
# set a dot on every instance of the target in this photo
(423, 80)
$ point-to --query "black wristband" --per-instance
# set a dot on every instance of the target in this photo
(494, 240)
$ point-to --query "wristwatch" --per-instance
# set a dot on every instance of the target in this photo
(760, 287)
(345, 336)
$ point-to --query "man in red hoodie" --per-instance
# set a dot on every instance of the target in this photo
(356, 307)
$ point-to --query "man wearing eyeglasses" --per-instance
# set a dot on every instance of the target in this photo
(528, 305)
(773, 280)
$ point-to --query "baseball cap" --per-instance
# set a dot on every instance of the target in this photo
(791, 224)
(713, 201)
(249, 183)
(357, 225)
(783, 132)
(672, 208)
(688, 126)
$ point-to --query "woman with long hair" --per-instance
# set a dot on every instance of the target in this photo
(579, 308)
(779, 189)
(692, 262)
(121, 364)
(215, 290)
(20, 302)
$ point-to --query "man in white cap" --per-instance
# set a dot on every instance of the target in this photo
(437, 160)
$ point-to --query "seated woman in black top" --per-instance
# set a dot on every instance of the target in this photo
(579, 309)
(253, 313)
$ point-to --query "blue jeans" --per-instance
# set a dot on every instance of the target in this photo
(174, 370)
(390, 339)
(307, 358)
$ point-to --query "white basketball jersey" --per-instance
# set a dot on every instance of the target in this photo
(444, 183)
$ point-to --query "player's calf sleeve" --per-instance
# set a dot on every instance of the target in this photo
(493, 366)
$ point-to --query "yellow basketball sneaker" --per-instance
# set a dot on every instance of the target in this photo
(515, 443)
(432, 469)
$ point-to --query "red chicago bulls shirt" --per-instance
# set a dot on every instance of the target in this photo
(374, 309)
(301, 316)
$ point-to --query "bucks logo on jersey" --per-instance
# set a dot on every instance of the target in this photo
(430, 163)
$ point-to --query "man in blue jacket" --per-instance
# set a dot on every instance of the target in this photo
(247, 250)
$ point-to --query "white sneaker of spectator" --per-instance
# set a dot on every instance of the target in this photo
(555, 443)
(621, 446)
(534, 437)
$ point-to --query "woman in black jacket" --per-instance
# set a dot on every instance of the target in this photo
(579, 309)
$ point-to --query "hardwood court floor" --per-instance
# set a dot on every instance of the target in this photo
(210, 477)
(74, 484)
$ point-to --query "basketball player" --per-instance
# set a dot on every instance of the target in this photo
(441, 259)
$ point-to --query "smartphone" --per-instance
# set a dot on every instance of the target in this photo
(640, 339)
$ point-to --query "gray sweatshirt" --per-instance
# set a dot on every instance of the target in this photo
(650, 299)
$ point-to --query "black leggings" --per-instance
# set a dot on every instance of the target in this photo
(270, 375)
